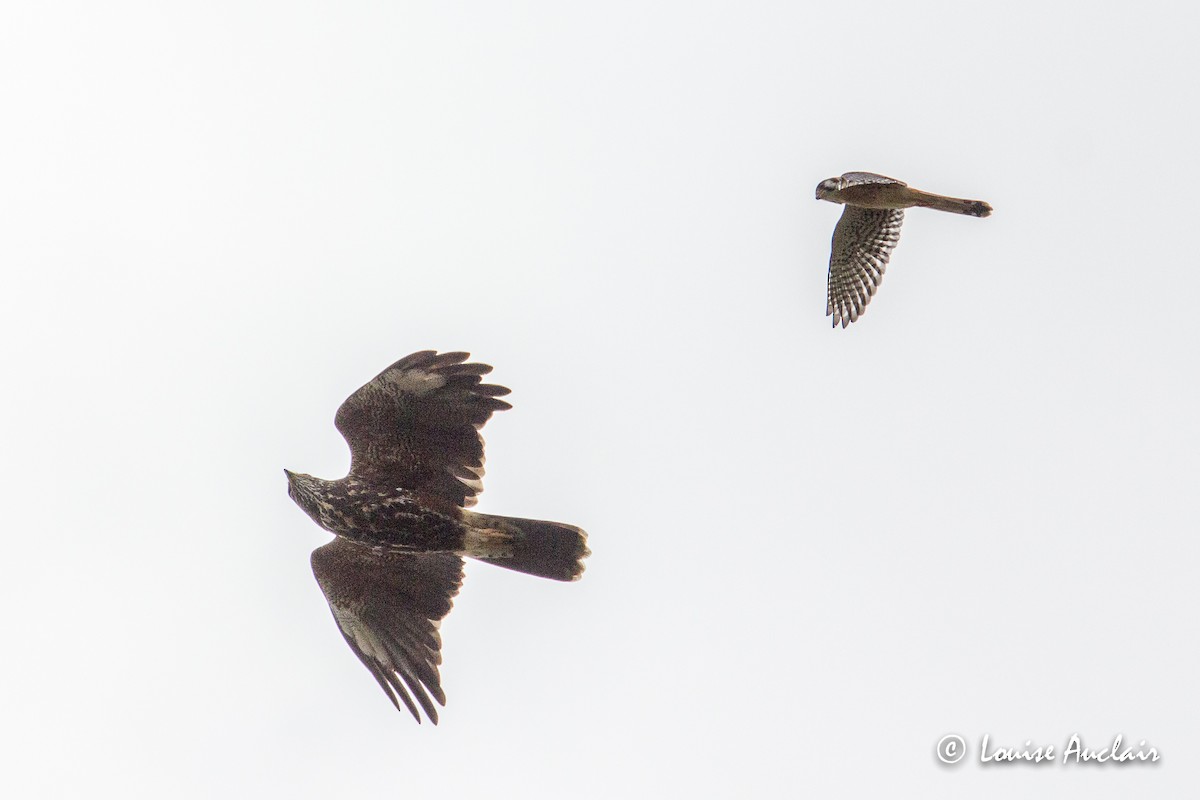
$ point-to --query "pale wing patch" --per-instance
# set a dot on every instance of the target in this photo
(367, 641)
(414, 381)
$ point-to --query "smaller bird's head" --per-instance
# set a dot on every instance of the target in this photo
(829, 187)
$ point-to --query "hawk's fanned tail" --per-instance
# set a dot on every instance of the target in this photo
(546, 549)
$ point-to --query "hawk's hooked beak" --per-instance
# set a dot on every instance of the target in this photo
(295, 485)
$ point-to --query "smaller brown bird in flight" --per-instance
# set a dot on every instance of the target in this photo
(868, 231)
(401, 524)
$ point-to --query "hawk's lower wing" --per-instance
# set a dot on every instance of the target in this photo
(388, 607)
(862, 244)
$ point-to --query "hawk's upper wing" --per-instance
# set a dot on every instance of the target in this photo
(415, 426)
(862, 244)
(388, 607)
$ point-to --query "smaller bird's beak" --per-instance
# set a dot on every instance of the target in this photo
(289, 474)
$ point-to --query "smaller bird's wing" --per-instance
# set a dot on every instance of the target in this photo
(388, 607)
(862, 244)
(864, 178)
(416, 426)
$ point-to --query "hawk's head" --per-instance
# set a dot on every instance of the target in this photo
(307, 493)
(295, 482)
(829, 187)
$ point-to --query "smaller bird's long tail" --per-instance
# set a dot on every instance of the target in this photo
(955, 205)
(546, 549)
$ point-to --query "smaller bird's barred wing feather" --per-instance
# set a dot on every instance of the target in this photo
(416, 426)
(862, 244)
(388, 607)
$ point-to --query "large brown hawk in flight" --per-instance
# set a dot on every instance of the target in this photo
(416, 460)
(868, 231)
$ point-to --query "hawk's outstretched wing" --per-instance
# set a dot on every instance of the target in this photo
(416, 426)
(388, 607)
(862, 244)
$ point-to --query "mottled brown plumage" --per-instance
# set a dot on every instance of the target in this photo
(416, 462)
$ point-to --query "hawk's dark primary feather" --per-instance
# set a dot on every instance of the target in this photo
(416, 462)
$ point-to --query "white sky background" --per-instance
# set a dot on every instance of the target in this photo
(815, 551)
